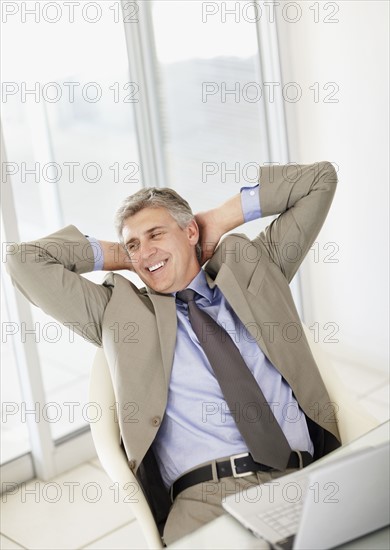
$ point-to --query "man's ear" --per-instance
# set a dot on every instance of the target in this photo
(192, 230)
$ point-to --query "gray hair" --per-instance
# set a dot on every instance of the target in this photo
(155, 197)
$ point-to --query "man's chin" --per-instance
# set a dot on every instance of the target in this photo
(156, 286)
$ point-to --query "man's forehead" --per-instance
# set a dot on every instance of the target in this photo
(146, 219)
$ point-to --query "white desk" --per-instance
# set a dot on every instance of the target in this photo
(227, 533)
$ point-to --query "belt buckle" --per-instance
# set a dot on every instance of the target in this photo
(233, 465)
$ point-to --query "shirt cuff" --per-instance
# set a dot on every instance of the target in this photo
(250, 202)
(97, 254)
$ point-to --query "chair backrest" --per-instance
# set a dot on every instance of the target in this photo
(106, 437)
(353, 419)
(353, 422)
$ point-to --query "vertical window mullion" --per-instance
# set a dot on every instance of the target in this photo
(142, 67)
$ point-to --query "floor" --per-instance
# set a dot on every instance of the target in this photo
(47, 515)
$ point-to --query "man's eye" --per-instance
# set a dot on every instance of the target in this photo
(131, 248)
(156, 234)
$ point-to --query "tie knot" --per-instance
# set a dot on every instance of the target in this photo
(187, 295)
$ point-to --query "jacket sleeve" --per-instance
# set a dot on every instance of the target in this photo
(301, 195)
(48, 273)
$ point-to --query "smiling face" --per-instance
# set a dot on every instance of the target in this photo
(163, 254)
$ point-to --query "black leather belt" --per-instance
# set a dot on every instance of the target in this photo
(236, 466)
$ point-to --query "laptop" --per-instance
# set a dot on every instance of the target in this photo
(322, 506)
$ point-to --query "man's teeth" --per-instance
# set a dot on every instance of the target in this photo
(154, 267)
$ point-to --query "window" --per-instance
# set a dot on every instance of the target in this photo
(72, 156)
(81, 131)
(214, 131)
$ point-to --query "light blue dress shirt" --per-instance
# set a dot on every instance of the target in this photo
(198, 426)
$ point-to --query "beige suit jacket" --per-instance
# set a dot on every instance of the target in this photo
(137, 327)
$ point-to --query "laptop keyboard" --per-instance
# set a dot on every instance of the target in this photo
(283, 519)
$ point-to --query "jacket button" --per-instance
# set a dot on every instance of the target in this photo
(156, 420)
(132, 464)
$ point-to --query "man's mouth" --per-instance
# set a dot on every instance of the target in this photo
(157, 266)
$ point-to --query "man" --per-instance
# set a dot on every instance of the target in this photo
(181, 432)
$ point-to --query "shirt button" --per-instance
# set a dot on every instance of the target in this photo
(132, 464)
(252, 193)
(156, 420)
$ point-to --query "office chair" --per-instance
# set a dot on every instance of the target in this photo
(353, 421)
(106, 437)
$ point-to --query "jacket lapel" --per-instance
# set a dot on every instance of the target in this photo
(165, 310)
(233, 293)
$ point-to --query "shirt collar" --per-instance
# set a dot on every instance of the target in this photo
(199, 284)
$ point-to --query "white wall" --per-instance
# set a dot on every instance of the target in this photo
(354, 134)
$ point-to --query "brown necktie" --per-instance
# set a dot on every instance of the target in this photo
(264, 437)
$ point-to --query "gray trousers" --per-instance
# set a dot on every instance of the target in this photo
(202, 503)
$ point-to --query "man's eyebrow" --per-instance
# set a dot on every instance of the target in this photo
(148, 231)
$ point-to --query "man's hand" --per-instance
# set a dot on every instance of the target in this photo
(213, 224)
(115, 256)
(209, 233)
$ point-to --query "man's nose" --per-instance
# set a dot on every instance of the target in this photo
(147, 249)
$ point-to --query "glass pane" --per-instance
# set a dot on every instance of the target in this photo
(68, 115)
(71, 149)
(213, 115)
